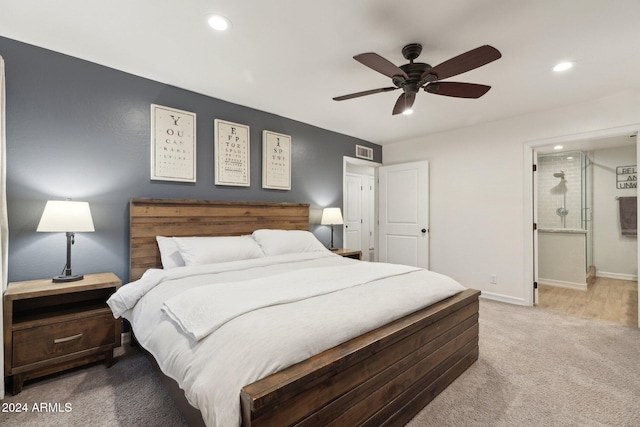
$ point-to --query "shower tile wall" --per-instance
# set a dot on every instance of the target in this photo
(549, 201)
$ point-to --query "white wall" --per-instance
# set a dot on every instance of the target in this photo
(614, 255)
(477, 188)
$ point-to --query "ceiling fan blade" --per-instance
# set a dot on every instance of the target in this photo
(366, 92)
(465, 62)
(458, 90)
(379, 64)
(404, 102)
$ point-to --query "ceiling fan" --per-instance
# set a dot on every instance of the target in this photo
(414, 76)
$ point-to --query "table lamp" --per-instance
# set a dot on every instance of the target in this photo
(331, 216)
(69, 217)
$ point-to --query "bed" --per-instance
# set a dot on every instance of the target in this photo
(382, 376)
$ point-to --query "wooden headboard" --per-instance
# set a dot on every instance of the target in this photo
(178, 217)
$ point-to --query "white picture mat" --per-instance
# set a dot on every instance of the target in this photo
(232, 148)
(276, 160)
(173, 144)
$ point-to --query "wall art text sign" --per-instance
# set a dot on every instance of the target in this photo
(232, 154)
(626, 177)
(173, 144)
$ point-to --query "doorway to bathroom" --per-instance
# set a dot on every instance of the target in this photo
(565, 219)
(585, 262)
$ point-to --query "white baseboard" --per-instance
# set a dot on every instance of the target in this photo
(502, 298)
(619, 276)
(561, 284)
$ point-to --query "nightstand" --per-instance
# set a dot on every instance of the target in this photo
(348, 253)
(49, 327)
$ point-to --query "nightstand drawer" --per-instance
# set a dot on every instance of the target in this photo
(58, 339)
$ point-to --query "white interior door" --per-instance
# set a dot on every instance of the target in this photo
(371, 203)
(638, 220)
(535, 228)
(404, 214)
(353, 213)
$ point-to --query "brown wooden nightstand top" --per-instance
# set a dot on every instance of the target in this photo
(348, 253)
(44, 287)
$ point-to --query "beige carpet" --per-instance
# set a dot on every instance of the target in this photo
(536, 368)
(543, 368)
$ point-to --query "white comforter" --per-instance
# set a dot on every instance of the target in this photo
(213, 361)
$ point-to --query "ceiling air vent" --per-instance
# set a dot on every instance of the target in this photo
(364, 152)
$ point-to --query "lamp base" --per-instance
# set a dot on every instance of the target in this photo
(70, 278)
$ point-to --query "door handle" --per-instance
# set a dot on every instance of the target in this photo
(424, 230)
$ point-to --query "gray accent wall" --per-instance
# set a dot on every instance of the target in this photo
(80, 130)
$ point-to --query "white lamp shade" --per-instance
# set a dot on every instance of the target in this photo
(66, 216)
(331, 216)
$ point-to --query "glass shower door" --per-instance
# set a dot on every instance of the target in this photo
(587, 207)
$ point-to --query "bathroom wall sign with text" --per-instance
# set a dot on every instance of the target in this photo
(626, 177)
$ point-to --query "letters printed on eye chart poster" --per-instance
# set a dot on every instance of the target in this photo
(276, 161)
(232, 151)
(173, 144)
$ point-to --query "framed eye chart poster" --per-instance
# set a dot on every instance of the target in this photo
(173, 144)
(231, 150)
(276, 161)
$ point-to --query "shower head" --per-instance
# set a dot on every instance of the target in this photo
(559, 174)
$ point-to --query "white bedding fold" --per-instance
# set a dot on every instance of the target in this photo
(202, 310)
(128, 296)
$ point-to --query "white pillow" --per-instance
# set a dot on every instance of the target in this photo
(211, 250)
(279, 242)
(169, 253)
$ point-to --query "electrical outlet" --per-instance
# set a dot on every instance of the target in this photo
(493, 279)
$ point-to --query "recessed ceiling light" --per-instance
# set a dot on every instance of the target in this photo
(562, 66)
(218, 22)
(558, 147)
(407, 112)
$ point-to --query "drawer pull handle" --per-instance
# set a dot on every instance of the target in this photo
(71, 338)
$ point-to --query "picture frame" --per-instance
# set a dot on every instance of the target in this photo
(276, 160)
(232, 152)
(173, 144)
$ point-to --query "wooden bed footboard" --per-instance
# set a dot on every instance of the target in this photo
(383, 377)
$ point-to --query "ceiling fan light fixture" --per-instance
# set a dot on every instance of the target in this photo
(562, 66)
(218, 22)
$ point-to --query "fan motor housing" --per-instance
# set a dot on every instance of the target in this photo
(415, 70)
(412, 51)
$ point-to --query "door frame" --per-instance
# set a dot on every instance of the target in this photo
(530, 250)
(346, 160)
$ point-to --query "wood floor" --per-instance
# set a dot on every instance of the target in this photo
(608, 299)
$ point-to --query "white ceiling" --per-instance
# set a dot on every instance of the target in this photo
(291, 57)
